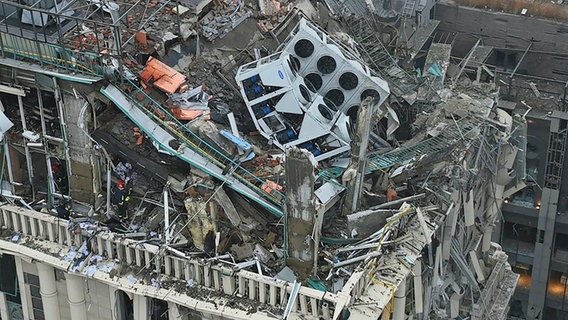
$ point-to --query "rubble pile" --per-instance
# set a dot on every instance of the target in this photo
(301, 178)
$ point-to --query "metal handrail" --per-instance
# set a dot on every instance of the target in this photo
(198, 145)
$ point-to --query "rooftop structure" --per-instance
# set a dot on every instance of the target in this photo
(281, 160)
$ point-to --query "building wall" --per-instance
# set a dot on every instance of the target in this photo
(547, 55)
(101, 302)
(520, 234)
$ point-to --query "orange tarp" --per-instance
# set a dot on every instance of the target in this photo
(182, 114)
(163, 77)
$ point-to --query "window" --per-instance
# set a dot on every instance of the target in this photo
(37, 305)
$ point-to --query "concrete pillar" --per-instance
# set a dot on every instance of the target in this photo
(25, 296)
(83, 183)
(173, 311)
(400, 302)
(76, 296)
(455, 301)
(3, 307)
(140, 307)
(418, 289)
(113, 301)
(48, 289)
(355, 173)
(300, 211)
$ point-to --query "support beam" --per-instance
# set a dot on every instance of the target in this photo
(27, 149)
(173, 311)
(48, 290)
(418, 289)
(300, 211)
(400, 302)
(3, 306)
(25, 297)
(140, 307)
(354, 175)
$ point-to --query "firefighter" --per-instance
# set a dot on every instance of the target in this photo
(59, 178)
(120, 198)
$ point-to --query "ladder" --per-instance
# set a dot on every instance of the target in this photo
(555, 155)
(378, 58)
(408, 8)
(173, 137)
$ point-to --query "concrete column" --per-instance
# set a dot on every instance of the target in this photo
(300, 211)
(173, 311)
(355, 173)
(400, 302)
(418, 289)
(48, 289)
(113, 307)
(25, 296)
(3, 307)
(83, 184)
(140, 307)
(76, 296)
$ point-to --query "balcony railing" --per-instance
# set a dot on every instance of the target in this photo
(57, 57)
(214, 276)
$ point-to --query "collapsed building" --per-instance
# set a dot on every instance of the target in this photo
(308, 175)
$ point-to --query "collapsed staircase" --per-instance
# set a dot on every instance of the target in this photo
(172, 137)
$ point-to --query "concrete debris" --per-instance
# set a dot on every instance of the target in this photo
(308, 172)
(228, 208)
(226, 16)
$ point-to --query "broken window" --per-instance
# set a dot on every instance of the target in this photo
(124, 306)
(9, 285)
(158, 309)
(32, 281)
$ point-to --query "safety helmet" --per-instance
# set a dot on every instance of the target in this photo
(120, 184)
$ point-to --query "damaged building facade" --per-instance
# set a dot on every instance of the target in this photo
(327, 168)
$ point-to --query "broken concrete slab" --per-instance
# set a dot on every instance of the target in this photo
(225, 202)
(365, 223)
(242, 252)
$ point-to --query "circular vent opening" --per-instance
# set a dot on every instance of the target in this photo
(304, 48)
(294, 64)
(335, 96)
(352, 113)
(325, 111)
(313, 81)
(330, 104)
(348, 81)
(305, 93)
(370, 93)
(326, 65)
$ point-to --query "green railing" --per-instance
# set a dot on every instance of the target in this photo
(13, 46)
(162, 117)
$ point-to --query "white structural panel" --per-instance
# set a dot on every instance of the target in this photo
(305, 94)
